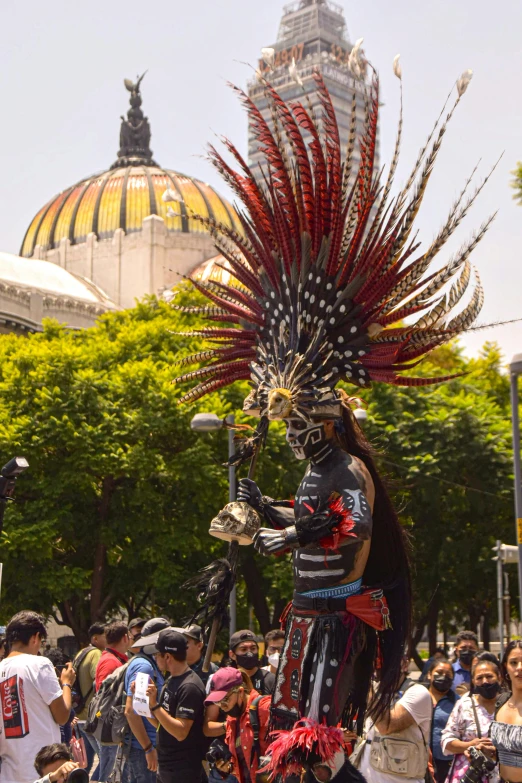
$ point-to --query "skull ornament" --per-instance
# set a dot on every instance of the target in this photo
(279, 404)
(236, 522)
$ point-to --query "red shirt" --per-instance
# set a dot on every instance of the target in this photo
(110, 661)
(245, 735)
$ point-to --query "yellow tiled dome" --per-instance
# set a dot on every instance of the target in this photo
(128, 192)
(122, 198)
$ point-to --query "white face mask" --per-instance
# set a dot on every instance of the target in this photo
(273, 660)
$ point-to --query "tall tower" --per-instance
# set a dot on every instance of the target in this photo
(313, 33)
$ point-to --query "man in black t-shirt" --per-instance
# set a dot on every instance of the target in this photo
(178, 713)
(244, 650)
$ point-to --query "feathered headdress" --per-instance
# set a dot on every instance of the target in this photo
(327, 270)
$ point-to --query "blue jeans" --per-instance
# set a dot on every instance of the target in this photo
(92, 749)
(107, 759)
(135, 770)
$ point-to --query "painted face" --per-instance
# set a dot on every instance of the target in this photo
(305, 438)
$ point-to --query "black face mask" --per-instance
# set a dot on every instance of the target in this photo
(248, 660)
(442, 683)
(488, 690)
(466, 656)
(236, 711)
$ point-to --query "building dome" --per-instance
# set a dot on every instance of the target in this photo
(122, 197)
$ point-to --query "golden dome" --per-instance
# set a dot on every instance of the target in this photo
(122, 198)
(126, 194)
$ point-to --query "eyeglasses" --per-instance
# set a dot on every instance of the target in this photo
(224, 702)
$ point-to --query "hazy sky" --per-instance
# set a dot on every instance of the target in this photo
(63, 62)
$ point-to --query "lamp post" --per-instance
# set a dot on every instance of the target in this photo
(515, 369)
(361, 414)
(210, 422)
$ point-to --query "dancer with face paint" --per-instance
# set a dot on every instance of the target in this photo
(326, 286)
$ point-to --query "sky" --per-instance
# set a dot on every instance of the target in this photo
(62, 95)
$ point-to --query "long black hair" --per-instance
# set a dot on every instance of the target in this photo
(387, 568)
(515, 644)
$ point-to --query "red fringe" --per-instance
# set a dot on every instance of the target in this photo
(289, 748)
(343, 529)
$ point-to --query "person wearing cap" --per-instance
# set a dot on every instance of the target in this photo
(195, 658)
(231, 692)
(142, 761)
(178, 712)
(244, 651)
(136, 628)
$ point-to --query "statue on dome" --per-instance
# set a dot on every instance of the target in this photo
(135, 130)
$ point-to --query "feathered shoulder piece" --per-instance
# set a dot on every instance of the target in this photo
(328, 282)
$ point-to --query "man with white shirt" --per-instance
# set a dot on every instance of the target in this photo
(32, 700)
(406, 726)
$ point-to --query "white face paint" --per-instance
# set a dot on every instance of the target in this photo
(304, 438)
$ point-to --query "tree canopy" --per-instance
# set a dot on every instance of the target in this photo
(113, 514)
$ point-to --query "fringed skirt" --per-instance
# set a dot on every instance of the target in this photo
(326, 665)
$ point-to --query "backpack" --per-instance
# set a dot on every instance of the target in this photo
(78, 698)
(106, 719)
(253, 714)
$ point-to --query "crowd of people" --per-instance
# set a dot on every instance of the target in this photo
(462, 720)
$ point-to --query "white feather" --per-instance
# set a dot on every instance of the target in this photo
(397, 70)
(171, 195)
(292, 70)
(268, 55)
(171, 213)
(356, 61)
(463, 82)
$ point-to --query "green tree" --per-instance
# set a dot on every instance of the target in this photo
(447, 451)
(114, 511)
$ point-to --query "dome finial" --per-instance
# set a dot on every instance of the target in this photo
(135, 131)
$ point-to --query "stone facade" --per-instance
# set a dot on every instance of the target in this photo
(128, 266)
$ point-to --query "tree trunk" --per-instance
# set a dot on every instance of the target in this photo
(433, 618)
(279, 608)
(98, 571)
(486, 636)
(256, 594)
(415, 639)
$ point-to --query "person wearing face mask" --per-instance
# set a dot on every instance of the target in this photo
(439, 680)
(274, 643)
(244, 651)
(248, 716)
(466, 649)
(470, 720)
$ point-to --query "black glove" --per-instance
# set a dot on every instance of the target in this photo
(316, 526)
(249, 492)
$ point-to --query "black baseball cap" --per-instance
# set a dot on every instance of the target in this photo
(171, 641)
(241, 636)
(154, 625)
(136, 623)
(194, 632)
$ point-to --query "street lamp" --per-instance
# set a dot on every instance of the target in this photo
(210, 422)
(515, 369)
(361, 414)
